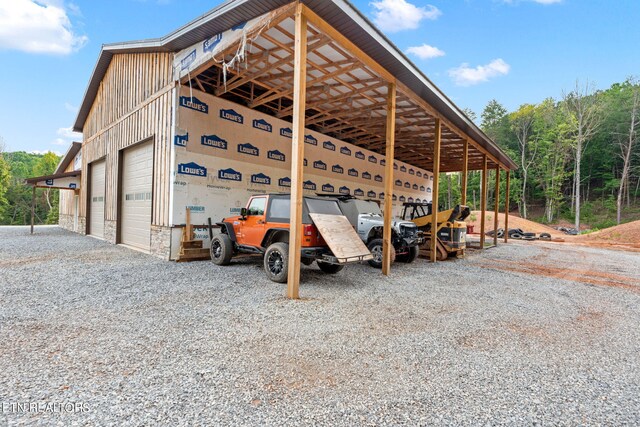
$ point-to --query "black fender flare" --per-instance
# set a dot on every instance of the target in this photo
(273, 235)
(227, 228)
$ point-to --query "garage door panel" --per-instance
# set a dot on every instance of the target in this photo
(137, 178)
(96, 208)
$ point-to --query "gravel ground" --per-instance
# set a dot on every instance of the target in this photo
(140, 341)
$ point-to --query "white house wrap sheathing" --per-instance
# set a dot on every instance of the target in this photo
(225, 152)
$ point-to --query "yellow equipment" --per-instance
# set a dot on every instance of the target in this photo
(451, 230)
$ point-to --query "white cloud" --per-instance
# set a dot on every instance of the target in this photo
(398, 15)
(41, 26)
(71, 108)
(464, 75)
(66, 136)
(425, 51)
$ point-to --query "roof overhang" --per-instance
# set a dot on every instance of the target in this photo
(71, 154)
(342, 16)
(61, 181)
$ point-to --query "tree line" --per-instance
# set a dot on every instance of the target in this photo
(578, 156)
(15, 196)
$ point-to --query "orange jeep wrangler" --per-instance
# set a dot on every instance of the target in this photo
(263, 229)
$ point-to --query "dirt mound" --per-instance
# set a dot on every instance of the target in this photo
(624, 234)
(514, 222)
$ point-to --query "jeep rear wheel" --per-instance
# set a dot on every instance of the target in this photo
(221, 249)
(330, 268)
(375, 247)
(410, 256)
(276, 262)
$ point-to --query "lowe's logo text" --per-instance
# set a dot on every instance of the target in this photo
(248, 149)
(284, 182)
(72, 185)
(353, 172)
(192, 168)
(310, 140)
(286, 132)
(345, 151)
(232, 116)
(328, 188)
(49, 182)
(181, 140)
(211, 43)
(344, 190)
(188, 60)
(260, 178)
(309, 185)
(229, 175)
(358, 192)
(262, 125)
(213, 141)
(360, 155)
(276, 155)
(194, 103)
(329, 145)
(320, 165)
(337, 169)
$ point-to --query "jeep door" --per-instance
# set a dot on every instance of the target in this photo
(253, 228)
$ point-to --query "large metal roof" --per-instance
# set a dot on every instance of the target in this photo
(340, 14)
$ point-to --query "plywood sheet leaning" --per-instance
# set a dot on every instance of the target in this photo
(341, 238)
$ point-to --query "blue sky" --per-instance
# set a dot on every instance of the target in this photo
(517, 51)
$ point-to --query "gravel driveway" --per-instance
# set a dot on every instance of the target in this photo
(522, 334)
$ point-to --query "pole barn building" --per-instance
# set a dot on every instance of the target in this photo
(259, 97)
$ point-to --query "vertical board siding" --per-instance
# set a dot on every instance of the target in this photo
(133, 104)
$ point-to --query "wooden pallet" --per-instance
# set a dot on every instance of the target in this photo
(190, 248)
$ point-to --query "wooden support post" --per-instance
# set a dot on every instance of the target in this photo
(496, 207)
(33, 208)
(297, 152)
(388, 178)
(434, 192)
(483, 200)
(506, 208)
(465, 172)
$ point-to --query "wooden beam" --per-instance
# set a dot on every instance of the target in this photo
(388, 179)
(33, 208)
(496, 207)
(506, 207)
(465, 172)
(435, 191)
(483, 200)
(297, 152)
(327, 29)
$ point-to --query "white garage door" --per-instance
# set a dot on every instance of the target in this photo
(137, 171)
(96, 208)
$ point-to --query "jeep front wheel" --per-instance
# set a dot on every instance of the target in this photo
(276, 262)
(375, 247)
(221, 249)
(329, 268)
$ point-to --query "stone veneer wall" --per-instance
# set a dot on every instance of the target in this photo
(161, 241)
(110, 228)
(66, 222)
